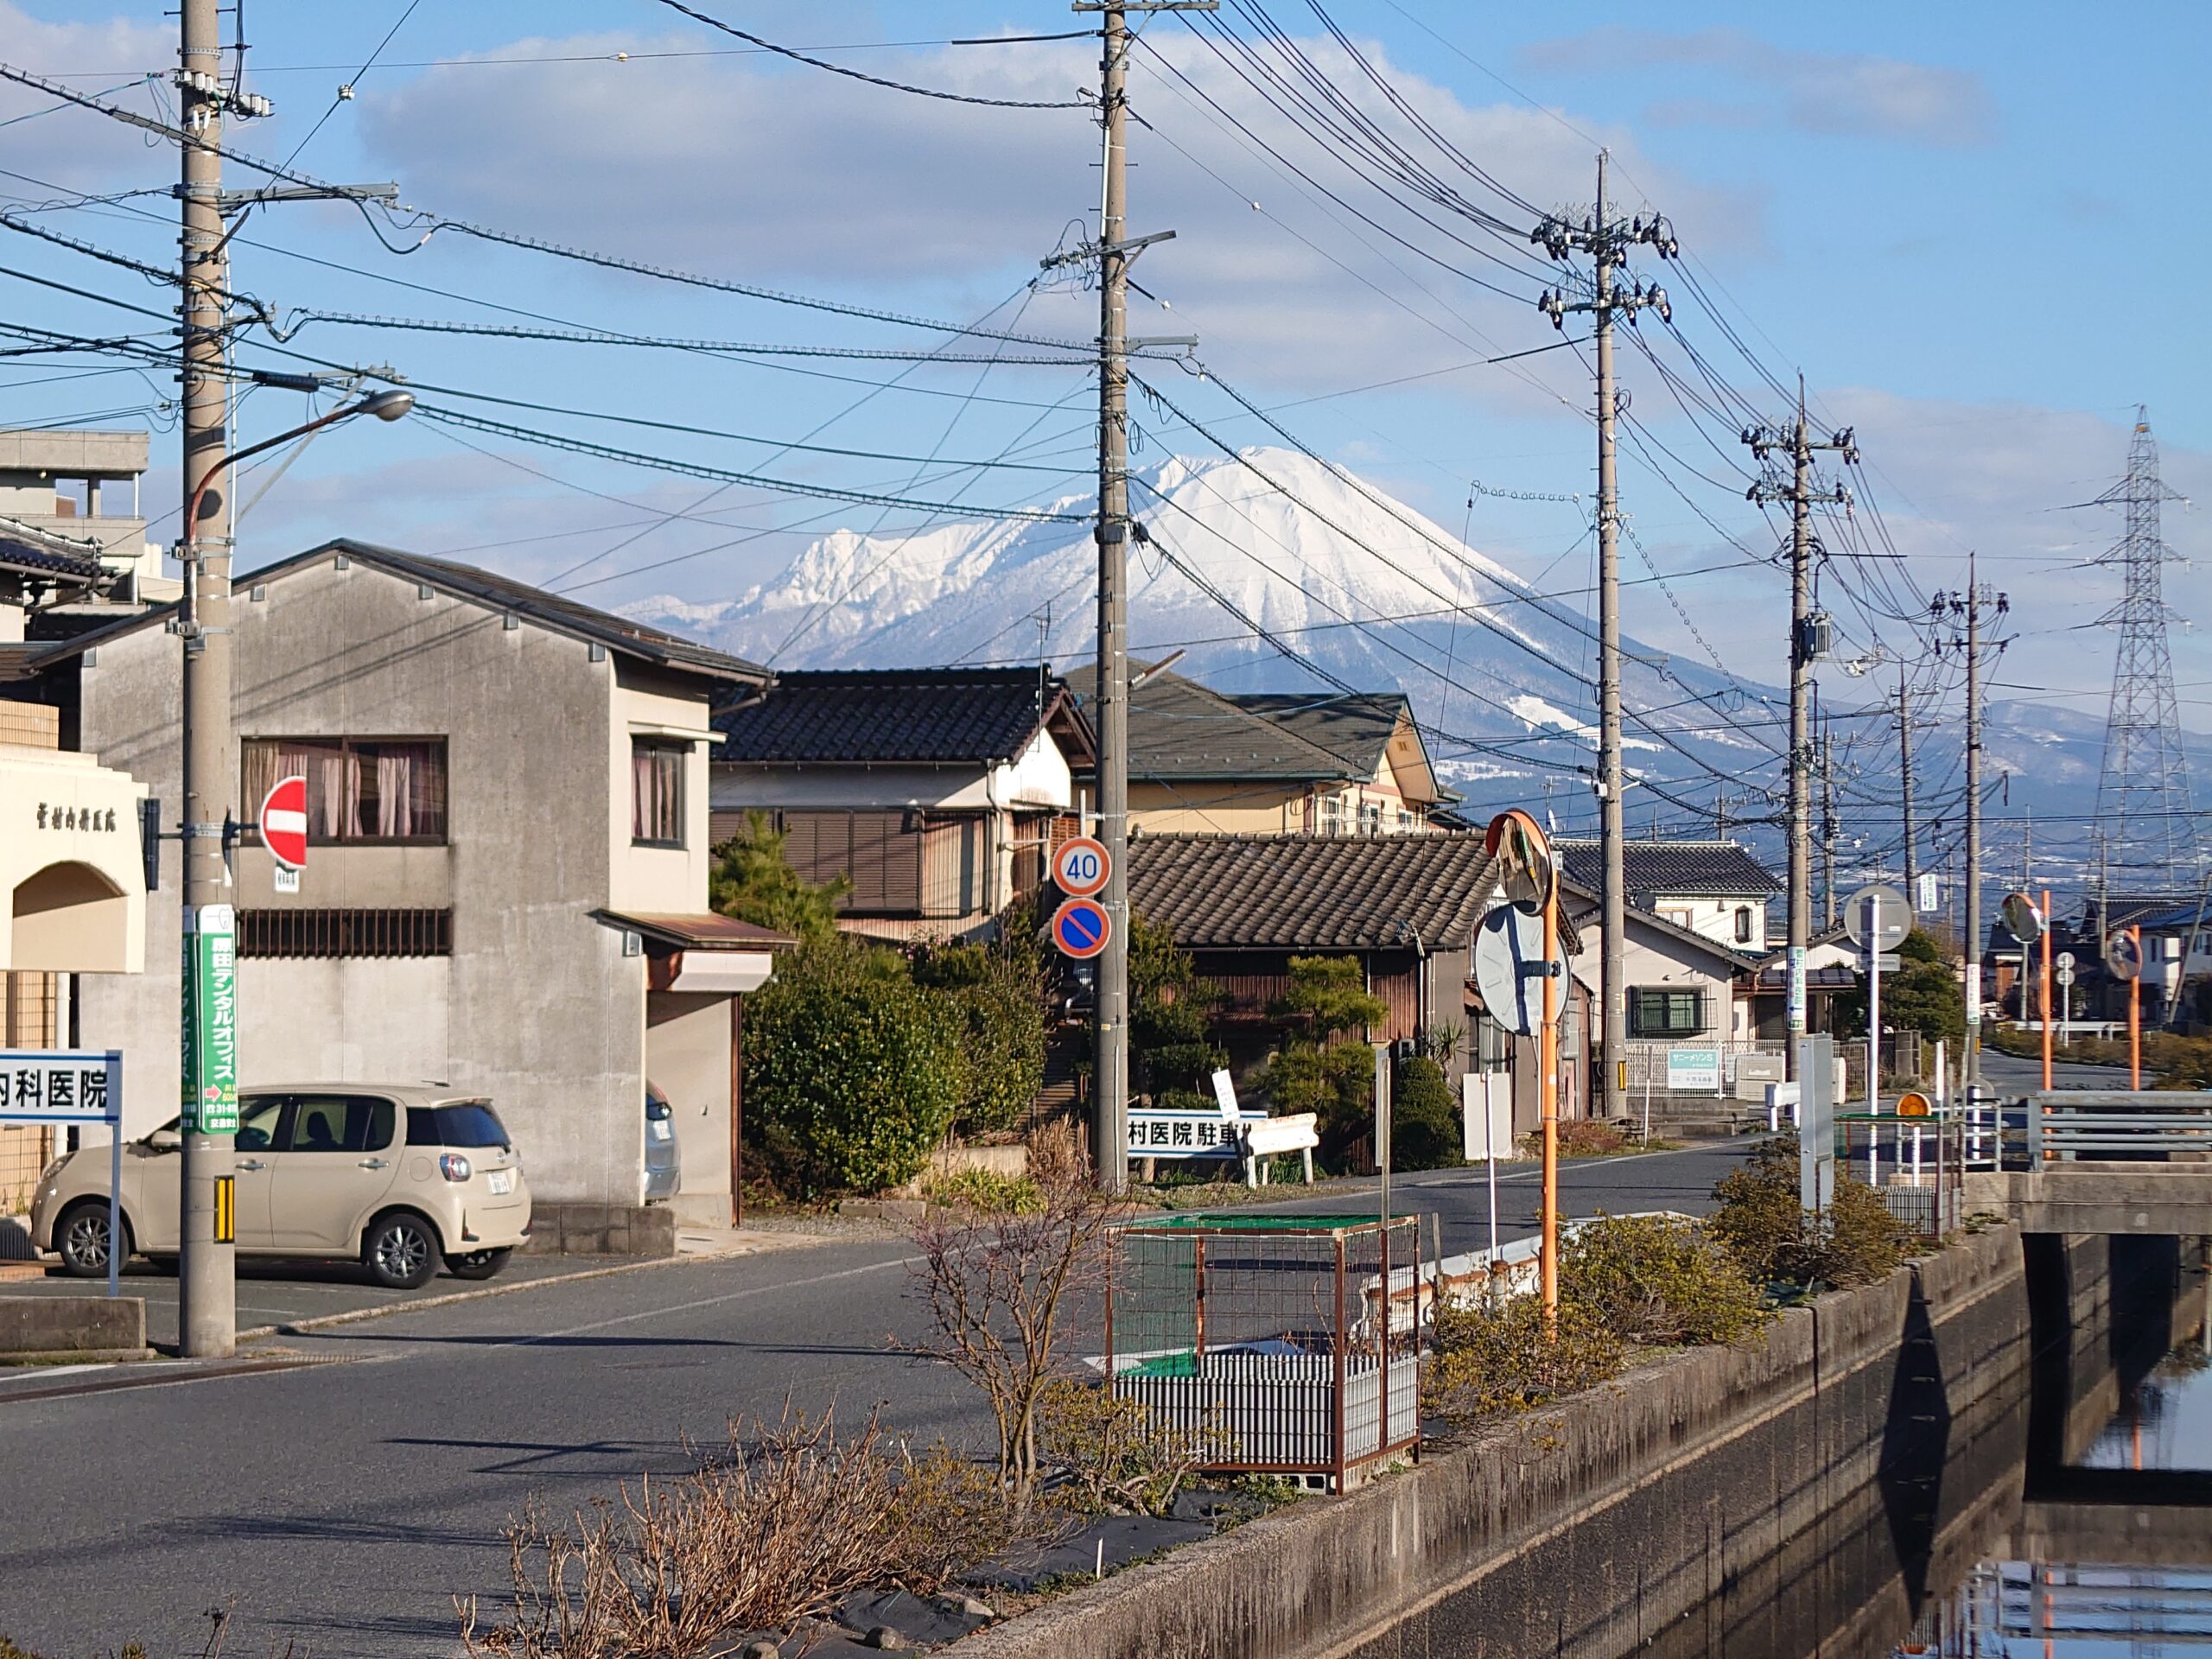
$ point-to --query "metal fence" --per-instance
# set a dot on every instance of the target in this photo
(1916, 1164)
(1292, 1341)
(2088, 1125)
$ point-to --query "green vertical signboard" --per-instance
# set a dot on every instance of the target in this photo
(211, 1020)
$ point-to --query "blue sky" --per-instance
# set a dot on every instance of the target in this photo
(1959, 222)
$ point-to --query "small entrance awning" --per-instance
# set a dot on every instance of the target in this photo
(702, 953)
(71, 867)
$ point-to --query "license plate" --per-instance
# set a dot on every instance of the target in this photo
(659, 1129)
(502, 1182)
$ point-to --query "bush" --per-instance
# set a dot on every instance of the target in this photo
(1659, 1279)
(951, 1515)
(1589, 1137)
(995, 1000)
(986, 1190)
(852, 1073)
(1118, 1455)
(1336, 1085)
(1761, 1224)
(1494, 1360)
(1424, 1118)
(1171, 1016)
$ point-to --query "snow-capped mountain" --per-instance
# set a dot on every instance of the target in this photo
(1328, 569)
(1364, 591)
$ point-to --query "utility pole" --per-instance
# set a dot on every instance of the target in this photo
(1904, 762)
(1804, 647)
(1828, 826)
(1966, 608)
(1607, 241)
(207, 1286)
(1110, 1078)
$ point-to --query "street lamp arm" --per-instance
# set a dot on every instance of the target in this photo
(384, 405)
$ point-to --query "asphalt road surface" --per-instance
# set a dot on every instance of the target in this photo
(338, 1505)
(2009, 1075)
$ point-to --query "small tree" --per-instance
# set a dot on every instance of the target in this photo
(1001, 1290)
(754, 882)
(1923, 995)
(1327, 997)
(1171, 1013)
(996, 999)
(1424, 1119)
(852, 1071)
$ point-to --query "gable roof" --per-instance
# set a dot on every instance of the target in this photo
(1655, 870)
(497, 592)
(913, 716)
(1180, 729)
(1313, 892)
(1362, 727)
(1583, 902)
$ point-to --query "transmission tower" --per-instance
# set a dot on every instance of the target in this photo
(2147, 837)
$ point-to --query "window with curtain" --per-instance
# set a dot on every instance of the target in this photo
(359, 790)
(656, 792)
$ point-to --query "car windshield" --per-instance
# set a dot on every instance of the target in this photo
(457, 1123)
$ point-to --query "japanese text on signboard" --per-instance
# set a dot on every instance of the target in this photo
(41, 1086)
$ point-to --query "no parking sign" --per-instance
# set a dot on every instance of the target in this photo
(1080, 929)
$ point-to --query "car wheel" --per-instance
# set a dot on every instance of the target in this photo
(477, 1264)
(81, 1238)
(401, 1250)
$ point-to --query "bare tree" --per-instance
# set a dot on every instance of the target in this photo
(1003, 1292)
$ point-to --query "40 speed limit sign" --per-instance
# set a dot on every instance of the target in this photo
(1080, 866)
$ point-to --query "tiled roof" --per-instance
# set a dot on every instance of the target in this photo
(1312, 892)
(1357, 728)
(496, 592)
(1582, 902)
(1179, 730)
(1684, 869)
(19, 555)
(915, 716)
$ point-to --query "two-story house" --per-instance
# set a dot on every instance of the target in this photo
(1207, 762)
(936, 794)
(1713, 887)
(506, 889)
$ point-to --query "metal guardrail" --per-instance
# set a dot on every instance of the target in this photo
(2087, 1125)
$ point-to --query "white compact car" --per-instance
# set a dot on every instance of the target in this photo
(398, 1177)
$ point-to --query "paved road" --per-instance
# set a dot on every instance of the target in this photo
(342, 1502)
(2010, 1075)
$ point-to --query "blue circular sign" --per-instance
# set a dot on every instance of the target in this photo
(1081, 928)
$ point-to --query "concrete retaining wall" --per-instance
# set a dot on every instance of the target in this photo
(72, 1325)
(1600, 1524)
(602, 1229)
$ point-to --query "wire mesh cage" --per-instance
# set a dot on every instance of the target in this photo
(1915, 1163)
(1292, 1341)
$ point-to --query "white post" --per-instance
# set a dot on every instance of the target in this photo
(1873, 1004)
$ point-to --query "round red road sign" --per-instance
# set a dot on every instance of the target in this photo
(1080, 866)
(1081, 928)
(284, 822)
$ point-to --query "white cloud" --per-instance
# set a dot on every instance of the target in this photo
(1853, 93)
(66, 146)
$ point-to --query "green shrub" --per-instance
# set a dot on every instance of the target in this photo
(1424, 1118)
(996, 999)
(1659, 1279)
(1117, 1454)
(1171, 1016)
(753, 882)
(852, 1071)
(986, 1189)
(1491, 1361)
(1761, 1224)
(1336, 1085)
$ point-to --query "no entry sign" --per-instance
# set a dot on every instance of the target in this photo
(1080, 866)
(1081, 928)
(284, 822)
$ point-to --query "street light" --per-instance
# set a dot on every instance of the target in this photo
(206, 1239)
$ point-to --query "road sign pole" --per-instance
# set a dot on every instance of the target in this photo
(1873, 1007)
(2046, 990)
(2135, 1013)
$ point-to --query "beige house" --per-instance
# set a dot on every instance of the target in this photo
(1206, 762)
(506, 882)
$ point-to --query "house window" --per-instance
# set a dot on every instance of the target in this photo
(1743, 923)
(1370, 819)
(881, 858)
(1331, 821)
(1662, 1011)
(374, 791)
(656, 792)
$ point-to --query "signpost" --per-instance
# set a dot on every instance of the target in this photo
(1816, 1122)
(209, 1100)
(283, 822)
(57, 1086)
(1080, 866)
(1876, 917)
(1080, 928)
(1530, 879)
(2027, 923)
(2065, 977)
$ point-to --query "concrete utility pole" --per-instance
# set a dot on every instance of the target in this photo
(206, 1287)
(1110, 1078)
(1804, 648)
(1607, 241)
(1904, 761)
(1965, 608)
(1827, 826)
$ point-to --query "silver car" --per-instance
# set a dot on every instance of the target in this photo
(664, 1162)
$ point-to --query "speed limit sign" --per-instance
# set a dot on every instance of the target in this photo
(1080, 866)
